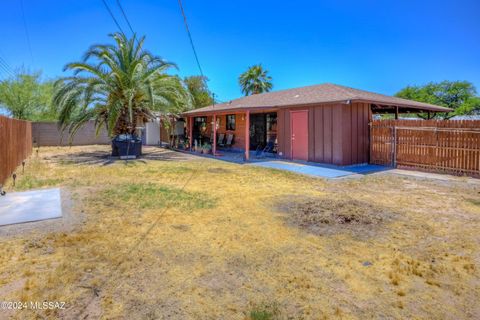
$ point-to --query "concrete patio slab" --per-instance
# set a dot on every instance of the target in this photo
(314, 169)
(318, 170)
(36, 205)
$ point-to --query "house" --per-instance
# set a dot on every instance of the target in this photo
(325, 123)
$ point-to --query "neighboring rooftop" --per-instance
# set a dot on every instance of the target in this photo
(317, 94)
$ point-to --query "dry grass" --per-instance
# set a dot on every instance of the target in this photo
(225, 247)
(331, 215)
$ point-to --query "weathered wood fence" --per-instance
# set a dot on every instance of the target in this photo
(15, 145)
(449, 146)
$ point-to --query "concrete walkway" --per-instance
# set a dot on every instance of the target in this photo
(312, 169)
(36, 205)
(319, 170)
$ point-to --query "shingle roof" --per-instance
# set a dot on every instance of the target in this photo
(323, 93)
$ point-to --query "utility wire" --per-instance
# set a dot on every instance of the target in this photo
(26, 31)
(113, 17)
(134, 249)
(128, 22)
(6, 68)
(125, 16)
(190, 37)
(2, 60)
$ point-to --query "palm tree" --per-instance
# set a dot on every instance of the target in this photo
(117, 86)
(255, 80)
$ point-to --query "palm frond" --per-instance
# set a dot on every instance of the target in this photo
(116, 85)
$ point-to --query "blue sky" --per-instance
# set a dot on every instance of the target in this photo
(380, 46)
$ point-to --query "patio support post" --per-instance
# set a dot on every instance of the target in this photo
(190, 132)
(214, 147)
(396, 113)
(247, 135)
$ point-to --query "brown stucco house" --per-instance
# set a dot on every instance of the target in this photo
(325, 123)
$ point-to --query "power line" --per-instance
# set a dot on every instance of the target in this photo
(190, 36)
(125, 16)
(128, 22)
(5, 64)
(6, 68)
(5, 75)
(2, 60)
(26, 30)
(113, 17)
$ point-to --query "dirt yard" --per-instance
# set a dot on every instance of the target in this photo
(173, 236)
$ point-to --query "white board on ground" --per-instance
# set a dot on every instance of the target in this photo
(36, 205)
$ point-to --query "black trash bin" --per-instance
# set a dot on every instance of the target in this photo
(126, 145)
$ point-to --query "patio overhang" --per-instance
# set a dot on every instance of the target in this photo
(212, 130)
(222, 112)
(380, 107)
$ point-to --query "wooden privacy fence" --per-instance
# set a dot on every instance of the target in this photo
(449, 146)
(15, 145)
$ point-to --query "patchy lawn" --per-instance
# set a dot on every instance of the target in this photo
(174, 236)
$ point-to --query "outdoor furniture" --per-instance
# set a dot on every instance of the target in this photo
(221, 138)
(269, 148)
(229, 141)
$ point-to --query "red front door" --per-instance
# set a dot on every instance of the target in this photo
(299, 129)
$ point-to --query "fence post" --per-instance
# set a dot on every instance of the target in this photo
(436, 157)
(394, 146)
(370, 144)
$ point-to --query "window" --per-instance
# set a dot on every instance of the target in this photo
(230, 122)
(200, 120)
(199, 126)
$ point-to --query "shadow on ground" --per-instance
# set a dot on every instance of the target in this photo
(102, 156)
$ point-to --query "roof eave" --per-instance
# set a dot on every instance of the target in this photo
(407, 105)
(425, 107)
(259, 108)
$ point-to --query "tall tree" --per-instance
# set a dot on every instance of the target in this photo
(470, 106)
(26, 96)
(255, 80)
(118, 85)
(458, 95)
(198, 89)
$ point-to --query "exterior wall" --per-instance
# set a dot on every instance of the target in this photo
(356, 133)
(47, 134)
(166, 129)
(152, 129)
(338, 133)
(238, 133)
(164, 135)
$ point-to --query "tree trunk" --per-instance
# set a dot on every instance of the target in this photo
(124, 125)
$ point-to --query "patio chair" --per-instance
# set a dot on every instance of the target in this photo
(221, 138)
(229, 141)
(269, 148)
